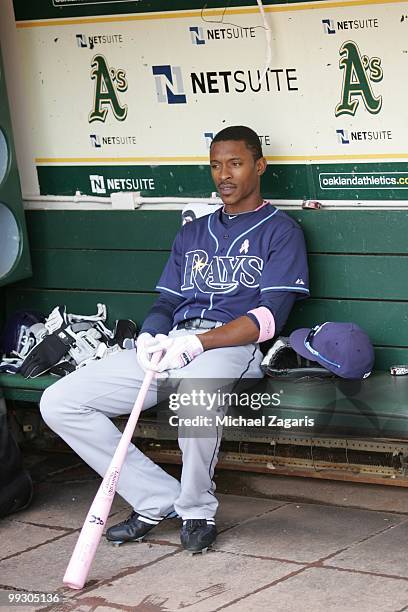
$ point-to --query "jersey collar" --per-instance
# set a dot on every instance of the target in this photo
(246, 212)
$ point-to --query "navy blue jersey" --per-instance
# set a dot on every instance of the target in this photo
(222, 265)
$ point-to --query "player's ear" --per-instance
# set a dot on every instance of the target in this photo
(261, 164)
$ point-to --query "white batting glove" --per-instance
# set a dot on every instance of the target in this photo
(56, 319)
(146, 345)
(179, 352)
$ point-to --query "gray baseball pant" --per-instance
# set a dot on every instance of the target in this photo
(79, 407)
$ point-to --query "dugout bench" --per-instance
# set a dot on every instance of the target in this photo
(359, 272)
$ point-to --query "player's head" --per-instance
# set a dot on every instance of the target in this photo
(243, 133)
(237, 164)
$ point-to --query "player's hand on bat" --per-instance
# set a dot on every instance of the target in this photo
(146, 346)
(178, 352)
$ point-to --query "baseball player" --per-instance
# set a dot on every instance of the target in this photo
(229, 284)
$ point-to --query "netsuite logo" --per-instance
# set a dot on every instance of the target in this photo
(201, 36)
(95, 140)
(97, 183)
(208, 136)
(342, 136)
(345, 137)
(101, 185)
(170, 87)
(90, 42)
(331, 27)
(98, 141)
(197, 35)
(81, 41)
(169, 84)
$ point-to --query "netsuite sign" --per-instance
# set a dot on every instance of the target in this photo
(170, 86)
(201, 36)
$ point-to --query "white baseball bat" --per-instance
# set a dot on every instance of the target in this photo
(91, 532)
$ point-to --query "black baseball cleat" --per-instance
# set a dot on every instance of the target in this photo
(133, 529)
(197, 535)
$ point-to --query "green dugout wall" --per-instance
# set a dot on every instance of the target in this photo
(154, 80)
(14, 254)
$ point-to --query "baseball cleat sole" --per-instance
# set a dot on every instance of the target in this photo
(120, 542)
(191, 553)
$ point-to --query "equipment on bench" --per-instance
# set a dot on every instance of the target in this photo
(59, 317)
(62, 342)
(282, 361)
(342, 347)
(124, 334)
(80, 341)
(21, 331)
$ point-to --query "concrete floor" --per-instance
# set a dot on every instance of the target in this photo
(285, 544)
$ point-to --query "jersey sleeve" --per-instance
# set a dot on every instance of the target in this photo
(160, 317)
(286, 267)
(280, 303)
(170, 280)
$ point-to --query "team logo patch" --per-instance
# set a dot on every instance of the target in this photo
(244, 247)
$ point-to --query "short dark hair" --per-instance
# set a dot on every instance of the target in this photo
(241, 132)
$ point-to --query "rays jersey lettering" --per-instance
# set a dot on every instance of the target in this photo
(222, 265)
(221, 273)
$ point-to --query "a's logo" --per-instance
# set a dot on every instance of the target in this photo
(221, 274)
(96, 519)
(299, 281)
(108, 82)
(244, 247)
(95, 140)
(169, 84)
(328, 26)
(342, 136)
(97, 183)
(81, 41)
(208, 138)
(358, 73)
(197, 35)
